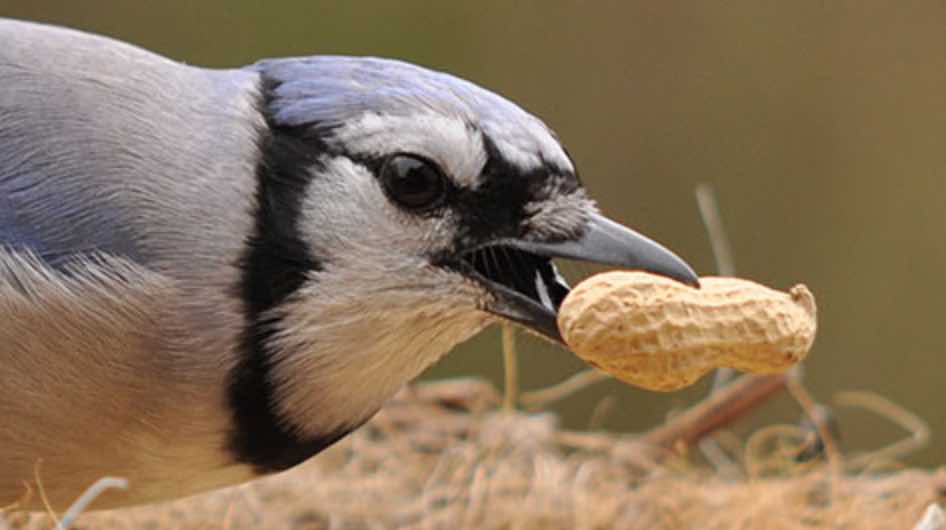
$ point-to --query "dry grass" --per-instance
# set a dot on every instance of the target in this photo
(445, 456)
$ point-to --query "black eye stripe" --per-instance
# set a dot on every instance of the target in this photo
(497, 208)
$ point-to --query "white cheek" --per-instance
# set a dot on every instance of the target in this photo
(344, 206)
(347, 218)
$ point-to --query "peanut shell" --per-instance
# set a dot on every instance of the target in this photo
(659, 334)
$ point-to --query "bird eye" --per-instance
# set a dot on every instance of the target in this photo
(413, 182)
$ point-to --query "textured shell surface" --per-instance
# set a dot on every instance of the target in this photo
(659, 334)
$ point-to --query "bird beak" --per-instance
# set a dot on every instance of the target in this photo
(608, 243)
(527, 288)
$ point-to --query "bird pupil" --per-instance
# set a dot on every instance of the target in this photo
(414, 177)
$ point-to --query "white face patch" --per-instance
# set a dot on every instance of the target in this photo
(348, 217)
(446, 140)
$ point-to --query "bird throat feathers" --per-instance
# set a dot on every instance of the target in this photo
(338, 356)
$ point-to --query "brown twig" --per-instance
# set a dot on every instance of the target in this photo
(539, 399)
(713, 222)
(510, 367)
(720, 409)
(42, 492)
(919, 430)
(832, 452)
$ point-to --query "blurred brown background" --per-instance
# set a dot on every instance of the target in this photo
(820, 123)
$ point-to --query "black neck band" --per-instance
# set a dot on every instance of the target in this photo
(275, 264)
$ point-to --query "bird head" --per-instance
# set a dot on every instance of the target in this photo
(402, 210)
(438, 192)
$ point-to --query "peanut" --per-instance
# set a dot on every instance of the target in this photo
(659, 334)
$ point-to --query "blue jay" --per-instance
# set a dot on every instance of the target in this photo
(211, 275)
